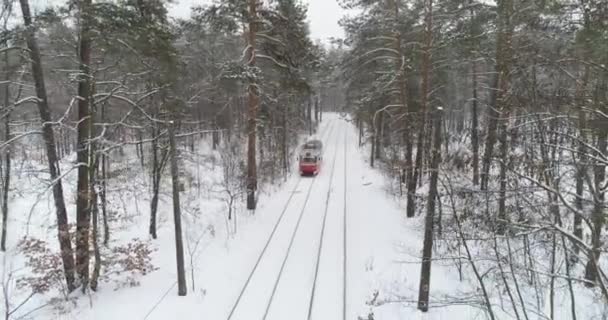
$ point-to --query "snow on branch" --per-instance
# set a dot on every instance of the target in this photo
(273, 39)
(273, 60)
(13, 48)
(31, 99)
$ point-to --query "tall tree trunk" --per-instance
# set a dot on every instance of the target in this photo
(159, 159)
(316, 109)
(7, 182)
(215, 137)
(83, 213)
(597, 218)
(427, 249)
(48, 135)
(252, 109)
(7, 157)
(65, 141)
(475, 126)
(319, 102)
(94, 208)
(262, 136)
(179, 245)
(501, 83)
(425, 87)
(95, 240)
(373, 147)
(502, 198)
(155, 186)
(581, 168)
(284, 151)
(104, 184)
(309, 117)
(400, 66)
(104, 213)
(379, 123)
(140, 150)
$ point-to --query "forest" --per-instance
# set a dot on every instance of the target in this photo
(133, 142)
(492, 121)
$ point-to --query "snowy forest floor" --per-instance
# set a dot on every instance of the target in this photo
(382, 248)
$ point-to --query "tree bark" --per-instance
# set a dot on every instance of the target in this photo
(319, 102)
(252, 109)
(49, 141)
(179, 245)
(501, 83)
(502, 198)
(158, 164)
(427, 249)
(597, 218)
(425, 87)
(378, 135)
(104, 213)
(104, 184)
(155, 186)
(316, 109)
(215, 137)
(309, 117)
(373, 147)
(7, 157)
(581, 168)
(140, 150)
(475, 126)
(284, 151)
(83, 202)
(94, 208)
(7, 184)
(400, 65)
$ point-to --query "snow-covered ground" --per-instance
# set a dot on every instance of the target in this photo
(334, 246)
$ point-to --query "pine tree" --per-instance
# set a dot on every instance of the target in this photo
(48, 134)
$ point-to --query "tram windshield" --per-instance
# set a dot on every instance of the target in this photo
(309, 159)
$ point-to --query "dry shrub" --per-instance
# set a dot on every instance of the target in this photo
(43, 264)
(129, 261)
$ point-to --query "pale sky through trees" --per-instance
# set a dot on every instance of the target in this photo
(322, 14)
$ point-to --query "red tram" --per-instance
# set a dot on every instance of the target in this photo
(310, 158)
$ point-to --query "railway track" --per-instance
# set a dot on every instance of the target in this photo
(324, 135)
(321, 237)
(318, 307)
(291, 290)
